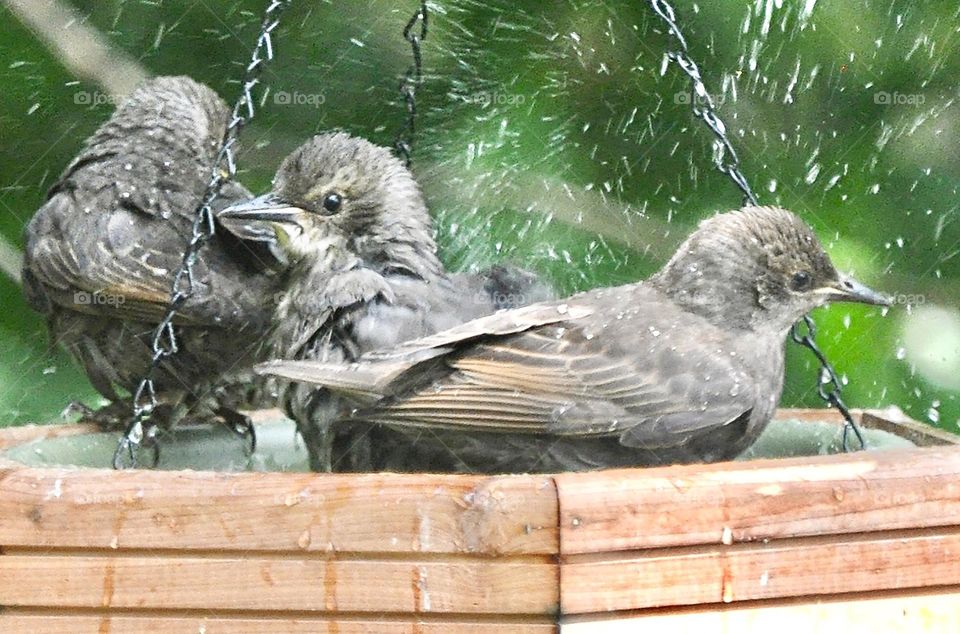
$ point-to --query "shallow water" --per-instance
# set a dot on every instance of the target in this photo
(279, 449)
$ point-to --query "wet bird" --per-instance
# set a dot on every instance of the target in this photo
(102, 251)
(362, 270)
(684, 367)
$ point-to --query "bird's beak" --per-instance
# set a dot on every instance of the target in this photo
(262, 218)
(847, 289)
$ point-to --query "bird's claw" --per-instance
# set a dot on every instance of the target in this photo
(242, 426)
(110, 417)
(77, 407)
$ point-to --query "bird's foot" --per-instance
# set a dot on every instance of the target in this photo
(319, 449)
(241, 425)
(112, 417)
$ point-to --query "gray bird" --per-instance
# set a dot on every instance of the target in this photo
(102, 251)
(685, 367)
(362, 271)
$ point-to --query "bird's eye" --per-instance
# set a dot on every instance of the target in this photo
(332, 202)
(801, 281)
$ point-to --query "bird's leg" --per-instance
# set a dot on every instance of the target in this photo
(112, 417)
(314, 424)
(240, 424)
(319, 446)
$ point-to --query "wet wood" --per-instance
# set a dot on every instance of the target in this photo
(158, 624)
(91, 508)
(826, 566)
(12, 436)
(86, 550)
(894, 421)
(926, 612)
(281, 584)
(764, 499)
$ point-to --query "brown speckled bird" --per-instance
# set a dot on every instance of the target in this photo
(363, 271)
(685, 367)
(102, 251)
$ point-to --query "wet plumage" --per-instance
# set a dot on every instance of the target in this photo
(685, 367)
(362, 269)
(102, 251)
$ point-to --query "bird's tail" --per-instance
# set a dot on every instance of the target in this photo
(363, 382)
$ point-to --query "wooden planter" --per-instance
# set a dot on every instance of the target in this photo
(867, 542)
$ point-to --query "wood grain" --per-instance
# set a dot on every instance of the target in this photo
(929, 613)
(280, 584)
(764, 499)
(185, 510)
(803, 567)
(13, 623)
(12, 436)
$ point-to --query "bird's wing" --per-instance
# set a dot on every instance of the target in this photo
(552, 381)
(506, 322)
(376, 375)
(121, 262)
(647, 386)
(113, 230)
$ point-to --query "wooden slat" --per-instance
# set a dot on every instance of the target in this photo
(12, 436)
(212, 583)
(206, 624)
(890, 419)
(896, 422)
(926, 613)
(394, 513)
(763, 499)
(746, 572)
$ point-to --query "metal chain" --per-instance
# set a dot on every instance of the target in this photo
(707, 111)
(829, 386)
(411, 81)
(164, 340)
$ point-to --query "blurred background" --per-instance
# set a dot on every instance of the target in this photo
(555, 135)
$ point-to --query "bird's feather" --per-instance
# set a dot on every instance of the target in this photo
(542, 370)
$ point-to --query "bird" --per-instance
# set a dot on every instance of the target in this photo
(101, 253)
(362, 271)
(684, 367)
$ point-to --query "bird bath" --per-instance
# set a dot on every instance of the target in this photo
(792, 433)
(808, 538)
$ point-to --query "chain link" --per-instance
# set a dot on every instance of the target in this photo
(164, 340)
(703, 104)
(829, 386)
(726, 161)
(411, 81)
